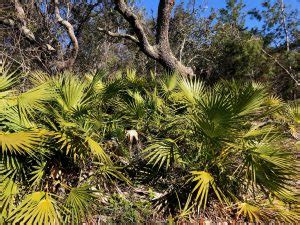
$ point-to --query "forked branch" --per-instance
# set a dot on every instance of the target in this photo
(161, 51)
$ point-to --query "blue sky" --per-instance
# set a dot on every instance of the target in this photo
(250, 4)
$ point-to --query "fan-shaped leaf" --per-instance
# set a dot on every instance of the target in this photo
(36, 208)
(204, 181)
(80, 202)
(22, 142)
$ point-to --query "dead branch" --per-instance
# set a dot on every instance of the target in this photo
(20, 14)
(65, 64)
(119, 35)
(282, 67)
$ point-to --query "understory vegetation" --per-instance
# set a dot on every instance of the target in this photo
(132, 148)
(159, 112)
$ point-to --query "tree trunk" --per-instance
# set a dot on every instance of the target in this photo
(161, 51)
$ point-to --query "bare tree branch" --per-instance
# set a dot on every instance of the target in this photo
(7, 22)
(20, 14)
(120, 35)
(161, 52)
(285, 27)
(282, 67)
(139, 30)
(181, 49)
(70, 30)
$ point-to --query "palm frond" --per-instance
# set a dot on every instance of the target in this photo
(15, 121)
(249, 211)
(294, 112)
(168, 84)
(7, 79)
(8, 191)
(268, 166)
(33, 100)
(110, 172)
(286, 215)
(247, 98)
(36, 208)
(131, 74)
(191, 90)
(213, 117)
(71, 93)
(186, 210)
(97, 150)
(38, 173)
(21, 143)
(135, 107)
(39, 77)
(79, 203)
(204, 181)
(164, 152)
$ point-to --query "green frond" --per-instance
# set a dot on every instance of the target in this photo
(37, 173)
(39, 77)
(247, 98)
(21, 143)
(274, 101)
(79, 203)
(71, 93)
(110, 172)
(95, 81)
(269, 166)
(8, 191)
(169, 84)
(7, 79)
(112, 89)
(186, 210)
(154, 102)
(191, 90)
(137, 97)
(97, 150)
(164, 152)
(37, 208)
(33, 100)
(294, 112)
(213, 117)
(14, 121)
(258, 131)
(135, 107)
(286, 215)
(131, 74)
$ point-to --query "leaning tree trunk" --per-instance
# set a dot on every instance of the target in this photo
(161, 51)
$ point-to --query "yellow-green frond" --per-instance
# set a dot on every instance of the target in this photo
(249, 211)
(22, 142)
(37, 208)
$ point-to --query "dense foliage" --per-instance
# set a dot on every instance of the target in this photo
(228, 40)
(85, 138)
(119, 148)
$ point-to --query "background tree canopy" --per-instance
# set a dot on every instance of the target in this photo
(112, 114)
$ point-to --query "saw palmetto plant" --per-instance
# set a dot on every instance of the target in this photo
(64, 147)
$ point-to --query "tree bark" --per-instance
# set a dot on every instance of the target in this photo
(20, 14)
(161, 51)
(283, 18)
(20, 22)
(66, 64)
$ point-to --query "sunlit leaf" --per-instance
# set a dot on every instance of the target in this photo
(36, 208)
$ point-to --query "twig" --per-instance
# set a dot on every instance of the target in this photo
(282, 67)
(120, 35)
